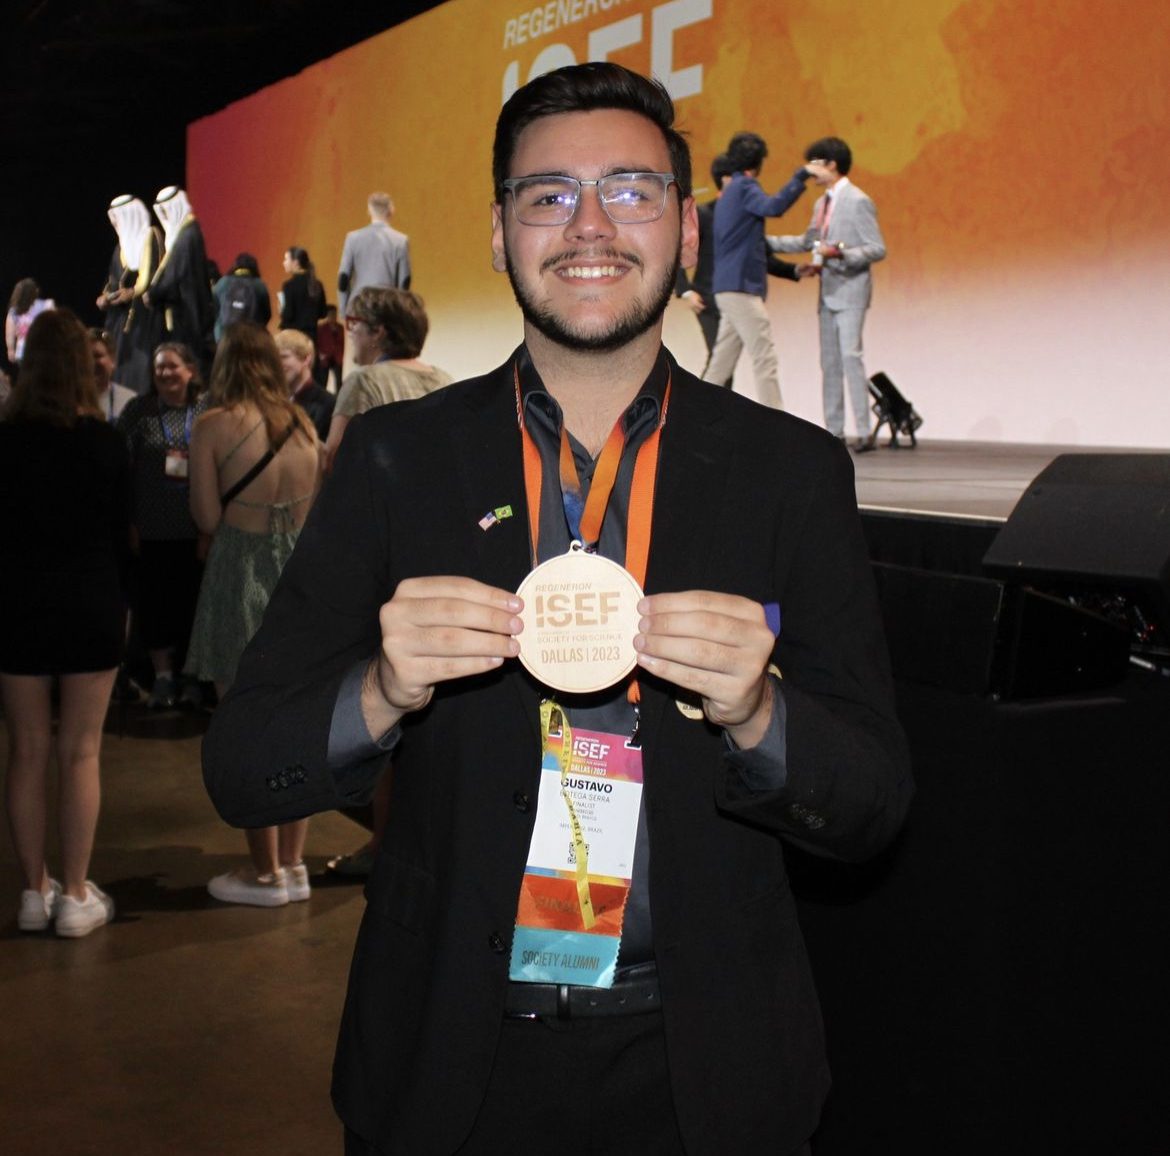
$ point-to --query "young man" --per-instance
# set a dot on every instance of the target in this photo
(844, 229)
(698, 291)
(693, 1026)
(296, 358)
(741, 266)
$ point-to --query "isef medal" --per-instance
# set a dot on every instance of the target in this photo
(580, 617)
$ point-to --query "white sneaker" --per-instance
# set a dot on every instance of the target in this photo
(78, 917)
(296, 880)
(37, 909)
(246, 886)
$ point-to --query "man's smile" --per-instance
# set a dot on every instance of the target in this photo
(578, 266)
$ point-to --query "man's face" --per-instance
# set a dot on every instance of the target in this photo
(103, 365)
(824, 173)
(591, 284)
(296, 368)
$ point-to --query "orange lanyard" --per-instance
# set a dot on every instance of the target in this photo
(641, 491)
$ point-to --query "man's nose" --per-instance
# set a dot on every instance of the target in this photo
(590, 219)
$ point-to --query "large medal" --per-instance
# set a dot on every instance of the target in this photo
(580, 617)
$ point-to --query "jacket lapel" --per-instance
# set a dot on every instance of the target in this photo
(488, 462)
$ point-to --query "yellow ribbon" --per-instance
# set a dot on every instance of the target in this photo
(557, 740)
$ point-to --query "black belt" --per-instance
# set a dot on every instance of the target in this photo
(632, 994)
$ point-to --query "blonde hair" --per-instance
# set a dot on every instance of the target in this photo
(380, 204)
(295, 342)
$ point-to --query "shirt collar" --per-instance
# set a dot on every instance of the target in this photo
(647, 401)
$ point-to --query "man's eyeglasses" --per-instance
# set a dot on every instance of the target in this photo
(627, 198)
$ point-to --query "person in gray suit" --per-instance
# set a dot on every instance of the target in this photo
(845, 241)
(374, 255)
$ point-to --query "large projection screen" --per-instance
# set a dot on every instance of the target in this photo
(1016, 152)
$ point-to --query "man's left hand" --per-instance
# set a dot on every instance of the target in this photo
(719, 647)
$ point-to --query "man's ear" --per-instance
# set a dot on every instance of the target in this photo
(688, 244)
(499, 261)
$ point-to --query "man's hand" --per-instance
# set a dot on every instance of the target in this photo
(719, 647)
(818, 170)
(830, 249)
(436, 630)
(806, 270)
(694, 300)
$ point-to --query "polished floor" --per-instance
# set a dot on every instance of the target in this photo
(186, 1026)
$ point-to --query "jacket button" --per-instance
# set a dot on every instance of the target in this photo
(521, 803)
(496, 943)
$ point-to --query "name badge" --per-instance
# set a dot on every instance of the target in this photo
(176, 464)
(580, 617)
(570, 913)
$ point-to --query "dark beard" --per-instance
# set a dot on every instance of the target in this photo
(631, 324)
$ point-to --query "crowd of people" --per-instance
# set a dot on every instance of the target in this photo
(148, 516)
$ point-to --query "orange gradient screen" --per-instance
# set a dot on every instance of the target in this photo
(1016, 153)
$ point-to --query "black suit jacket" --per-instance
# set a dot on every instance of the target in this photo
(749, 501)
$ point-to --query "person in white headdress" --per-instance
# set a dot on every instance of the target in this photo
(181, 289)
(133, 331)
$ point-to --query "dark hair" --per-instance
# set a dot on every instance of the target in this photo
(585, 88)
(301, 257)
(23, 295)
(184, 354)
(247, 369)
(246, 261)
(746, 150)
(101, 336)
(831, 148)
(55, 383)
(721, 167)
(400, 313)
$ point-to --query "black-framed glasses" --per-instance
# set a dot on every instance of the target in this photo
(627, 198)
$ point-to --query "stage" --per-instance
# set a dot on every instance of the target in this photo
(978, 481)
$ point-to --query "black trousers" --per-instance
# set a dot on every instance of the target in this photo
(534, 1101)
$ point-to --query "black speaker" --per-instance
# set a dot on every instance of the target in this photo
(1096, 528)
(981, 636)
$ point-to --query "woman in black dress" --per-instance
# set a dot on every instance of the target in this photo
(64, 521)
(302, 296)
(168, 552)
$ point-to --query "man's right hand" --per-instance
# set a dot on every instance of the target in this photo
(435, 630)
(694, 300)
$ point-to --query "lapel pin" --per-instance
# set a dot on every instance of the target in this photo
(493, 516)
